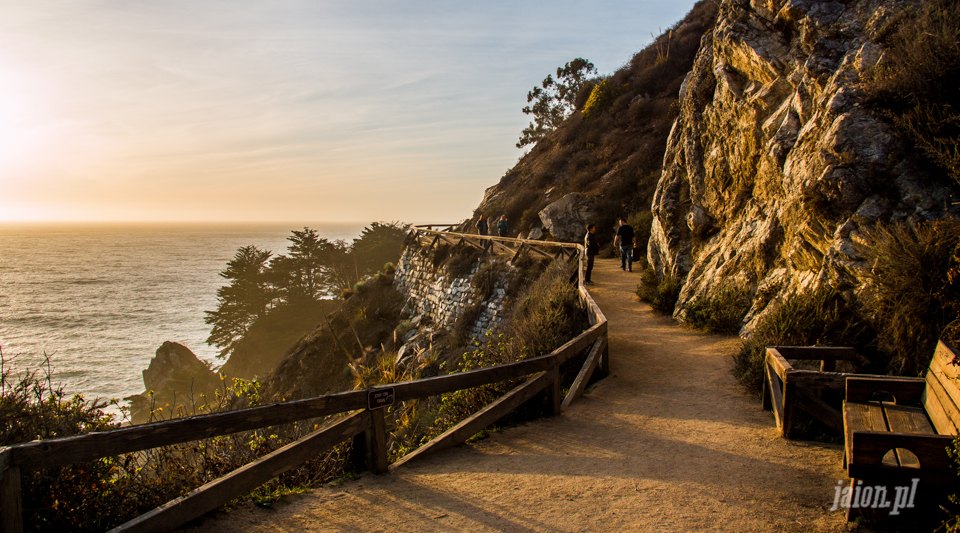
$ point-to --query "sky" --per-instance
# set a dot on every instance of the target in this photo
(242, 110)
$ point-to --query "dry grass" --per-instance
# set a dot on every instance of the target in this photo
(916, 83)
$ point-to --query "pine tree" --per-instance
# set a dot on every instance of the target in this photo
(247, 297)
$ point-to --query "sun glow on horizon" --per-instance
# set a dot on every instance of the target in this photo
(183, 110)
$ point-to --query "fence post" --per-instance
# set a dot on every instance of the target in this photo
(377, 460)
(603, 369)
(370, 447)
(554, 394)
(11, 507)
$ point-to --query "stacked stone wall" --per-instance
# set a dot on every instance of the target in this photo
(435, 293)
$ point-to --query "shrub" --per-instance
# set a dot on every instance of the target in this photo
(641, 222)
(819, 317)
(602, 95)
(720, 311)
(101, 494)
(905, 293)
(460, 332)
(461, 260)
(547, 314)
(440, 255)
(661, 294)
(486, 277)
(915, 84)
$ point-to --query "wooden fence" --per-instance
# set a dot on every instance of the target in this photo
(360, 416)
(429, 237)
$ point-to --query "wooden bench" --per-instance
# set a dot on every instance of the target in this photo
(817, 392)
(897, 430)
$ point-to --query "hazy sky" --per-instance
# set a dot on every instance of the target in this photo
(282, 110)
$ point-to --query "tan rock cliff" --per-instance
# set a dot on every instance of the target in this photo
(773, 166)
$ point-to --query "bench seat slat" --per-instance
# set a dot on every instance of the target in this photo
(909, 420)
(862, 417)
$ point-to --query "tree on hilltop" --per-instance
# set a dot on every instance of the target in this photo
(555, 99)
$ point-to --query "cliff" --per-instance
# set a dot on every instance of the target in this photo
(775, 166)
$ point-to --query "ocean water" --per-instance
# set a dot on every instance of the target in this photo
(99, 299)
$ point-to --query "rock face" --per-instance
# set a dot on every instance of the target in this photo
(773, 167)
(176, 377)
(566, 218)
(445, 299)
(175, 366)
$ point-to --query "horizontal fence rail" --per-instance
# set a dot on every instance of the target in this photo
(355, 419)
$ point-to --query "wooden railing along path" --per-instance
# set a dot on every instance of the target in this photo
(362, 416)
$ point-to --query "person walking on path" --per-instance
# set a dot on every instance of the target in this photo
(593, 248)
(503, 229)
(482, 226)
(626, 240)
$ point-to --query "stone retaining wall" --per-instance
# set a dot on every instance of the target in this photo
(432, 292)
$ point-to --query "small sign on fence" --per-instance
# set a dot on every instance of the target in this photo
(380, 398)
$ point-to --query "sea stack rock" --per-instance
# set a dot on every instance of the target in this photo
(177, 378)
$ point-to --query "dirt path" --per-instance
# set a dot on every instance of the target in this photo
(668, 442)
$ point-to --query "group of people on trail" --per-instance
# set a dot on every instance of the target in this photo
(503, 228)
(625, 240)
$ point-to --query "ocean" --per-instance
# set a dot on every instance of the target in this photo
(97, 300)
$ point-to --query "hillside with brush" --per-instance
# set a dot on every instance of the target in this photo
(611, 148)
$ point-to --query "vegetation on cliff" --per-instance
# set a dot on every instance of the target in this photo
(614, 154)
(915, 85)
(270, 301)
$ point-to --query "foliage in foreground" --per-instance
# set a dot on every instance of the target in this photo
(101, 494)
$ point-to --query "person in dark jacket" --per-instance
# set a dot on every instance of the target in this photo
(593, 248)
(626, 239)
(503, 229)
(482, 226)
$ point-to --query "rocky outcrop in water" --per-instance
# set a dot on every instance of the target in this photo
(175, 377)
(774, 166)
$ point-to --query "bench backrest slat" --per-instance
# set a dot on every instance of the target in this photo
(941, 398)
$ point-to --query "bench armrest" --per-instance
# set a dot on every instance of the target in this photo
(906, 391)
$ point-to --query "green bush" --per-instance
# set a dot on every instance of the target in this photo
(602, 95)
(720, 311)
(661, 294)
